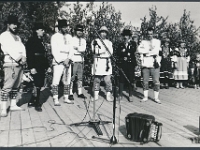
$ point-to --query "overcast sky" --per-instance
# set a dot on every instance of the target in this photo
(133, 11)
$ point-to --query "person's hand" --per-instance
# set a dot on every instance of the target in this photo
(49, 70)
(33, 71)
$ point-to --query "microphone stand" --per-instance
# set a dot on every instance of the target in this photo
(113, 139)
(93, 121)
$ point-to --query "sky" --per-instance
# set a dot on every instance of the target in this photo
(134, 11)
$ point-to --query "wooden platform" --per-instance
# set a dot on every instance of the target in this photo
(179, 113)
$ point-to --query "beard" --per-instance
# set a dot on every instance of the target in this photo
(13, 31)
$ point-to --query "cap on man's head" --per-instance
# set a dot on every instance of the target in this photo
(38, 25)
(63, 23)
(103, 28)
(12, 19)
(126, 32)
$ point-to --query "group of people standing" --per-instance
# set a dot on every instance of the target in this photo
(160, 62)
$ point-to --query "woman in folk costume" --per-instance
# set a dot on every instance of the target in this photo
(14, 60)
(37, 62)
(62, 51)
(102, 67)
(166, 65)
(181, 65)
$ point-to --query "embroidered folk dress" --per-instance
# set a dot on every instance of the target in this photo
(166, 67)
(103, 61)
(182, 59)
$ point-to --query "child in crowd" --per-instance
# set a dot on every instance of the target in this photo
(181, 65)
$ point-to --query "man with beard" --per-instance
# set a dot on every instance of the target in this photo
(102, 67)
(62, 51)
(37, 62)
(127, 61)
(79, 47)
(15, 57)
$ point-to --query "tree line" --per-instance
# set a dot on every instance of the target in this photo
(105, 14)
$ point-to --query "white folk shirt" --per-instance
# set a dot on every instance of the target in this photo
(100, 62)
(147, 49)
(61, 47)
(81, 44)
(11, 48)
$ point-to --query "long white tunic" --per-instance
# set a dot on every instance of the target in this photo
(149, 48)
(11, 48)
(100, 62)
(61, 47)
(80, 43)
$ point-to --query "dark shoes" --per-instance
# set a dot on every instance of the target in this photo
(31, 104)
(71, 97)
(81, 96)
(38, 108)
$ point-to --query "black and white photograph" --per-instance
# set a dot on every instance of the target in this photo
(99, 74)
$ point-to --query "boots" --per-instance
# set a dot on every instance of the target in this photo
(80, 94)
(145, 96)
(13, 106)
(156, 97)
(4, 109)
(32, 102)
(96, 95)
(56, 101)
(71, 97)
(108, 97)
(66, 100)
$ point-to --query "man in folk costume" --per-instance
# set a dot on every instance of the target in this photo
(37, 63)
(102, 67)
(150, 64)
(62, 51)
(79, 47)
(14, 60)
(127, 61)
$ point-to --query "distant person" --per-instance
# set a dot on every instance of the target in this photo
(166, 70)
(149, 49)
(181, 65)
(14, 60)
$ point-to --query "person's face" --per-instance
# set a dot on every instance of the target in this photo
(65, 29)
(126, 38)
(182, 45)
(150, 35)
(103, 34)
(166, 44)
(12, 28)
(79, 33)
(198, 57)
(40, 33)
